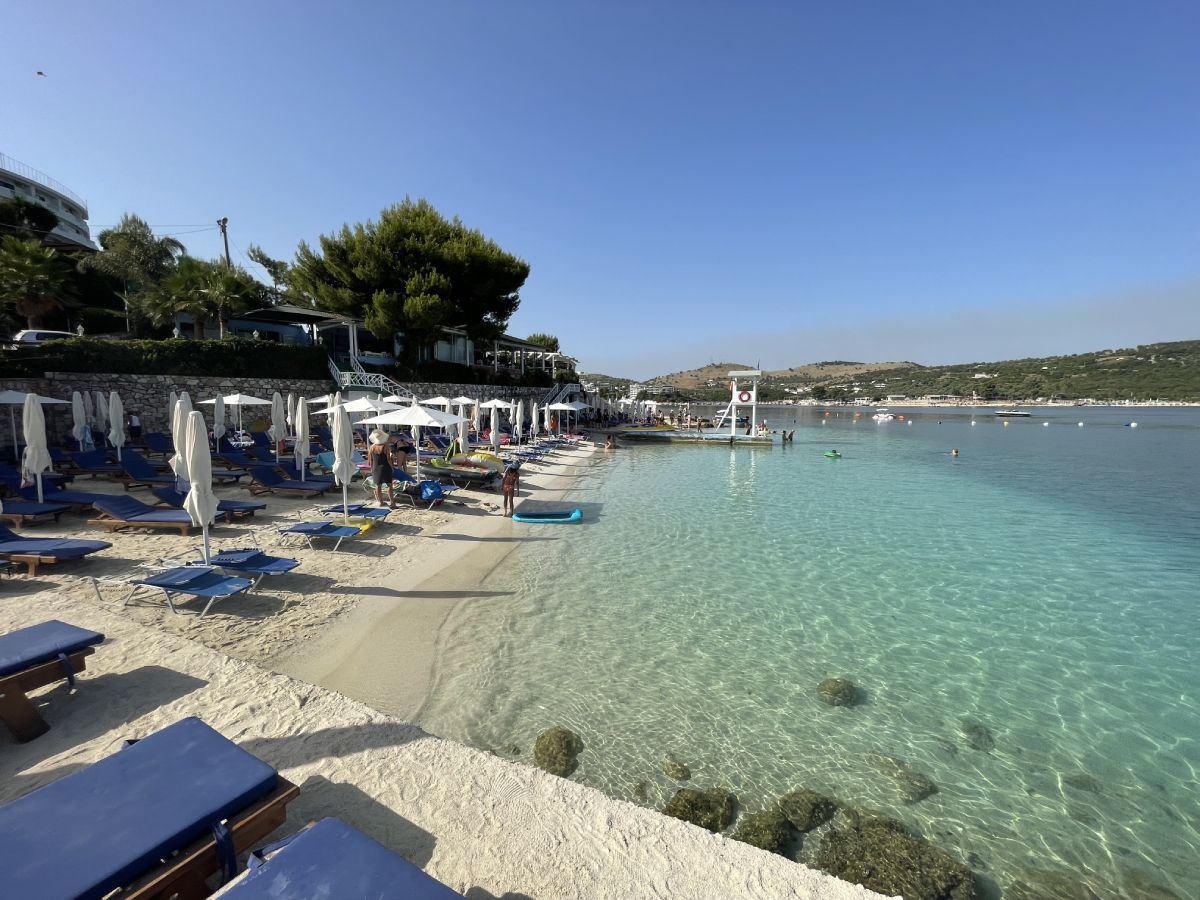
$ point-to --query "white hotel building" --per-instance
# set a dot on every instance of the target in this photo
(27, 183)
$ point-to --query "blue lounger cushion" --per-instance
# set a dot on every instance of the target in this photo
(331, 859)
(28, 647)
(14, 544)
(74, 498)
(129, 509)
(322, 529)
(197, 581)
(361, 510)
(174, 499)
(254, 561)
(33, 508)
(102, 827)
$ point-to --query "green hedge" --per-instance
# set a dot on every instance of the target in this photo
(234, 358)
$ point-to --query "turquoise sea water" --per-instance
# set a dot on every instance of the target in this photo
(1045, 583)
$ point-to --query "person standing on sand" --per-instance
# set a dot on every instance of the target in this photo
(510, 484)
(381, 467)
(135, 426)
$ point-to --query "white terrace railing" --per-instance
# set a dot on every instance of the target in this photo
(360, 378)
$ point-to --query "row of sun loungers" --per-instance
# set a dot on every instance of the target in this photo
(165, 814)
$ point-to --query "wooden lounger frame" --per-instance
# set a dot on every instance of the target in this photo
(256, 488)
(31, 560)
(183, 877)
(16, 519)
(17, 711)
(114, 524)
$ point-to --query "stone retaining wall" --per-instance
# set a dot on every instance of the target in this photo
(424, 390)
(147, 395)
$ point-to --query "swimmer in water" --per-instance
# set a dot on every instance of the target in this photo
(954, 452)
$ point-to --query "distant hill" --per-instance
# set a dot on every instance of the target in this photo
(1168, 371)
(1165, 371)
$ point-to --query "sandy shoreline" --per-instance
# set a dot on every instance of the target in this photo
(487, 827)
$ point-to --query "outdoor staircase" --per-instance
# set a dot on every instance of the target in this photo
(560, 392)
(359, 379)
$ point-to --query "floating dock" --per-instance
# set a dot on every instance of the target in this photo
(715, 438)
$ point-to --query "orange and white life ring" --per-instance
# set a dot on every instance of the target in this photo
(744, 397)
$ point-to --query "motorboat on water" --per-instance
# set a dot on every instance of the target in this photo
(883, 414)
(1011, 414)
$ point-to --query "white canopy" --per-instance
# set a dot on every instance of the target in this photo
(365, 404)
(438, 401)
(398, 400)
(496, 404)
(418, 417)
(201, 502)
(464, 401)
(239, 400)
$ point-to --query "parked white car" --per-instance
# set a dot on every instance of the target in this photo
(39, 336)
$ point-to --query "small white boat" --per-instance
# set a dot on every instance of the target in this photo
(1011, 414)
(883, 415)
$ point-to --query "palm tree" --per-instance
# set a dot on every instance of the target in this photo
(37, 280)
(182, 291)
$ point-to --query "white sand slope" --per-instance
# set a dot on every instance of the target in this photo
(487, 827)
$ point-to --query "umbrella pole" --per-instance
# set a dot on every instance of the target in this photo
(207, 555)
(41, 499)
(417, 452)
(12, 424)
(345, 501)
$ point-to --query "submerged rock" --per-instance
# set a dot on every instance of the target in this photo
(556, 751)
(1049, 885)
(641, 791)
(807, 809)
(711, 809)
(880, 854)
(838, 692)
(977, 735)
(914, 786)
(767, 829)
(676, 770)
(1082, 781)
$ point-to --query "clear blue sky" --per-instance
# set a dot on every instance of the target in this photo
(693, 181)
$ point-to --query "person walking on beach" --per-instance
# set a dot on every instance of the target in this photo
(135, 426)
(381, 467)
(510, 484)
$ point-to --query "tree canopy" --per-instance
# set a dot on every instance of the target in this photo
(413, 271)
(549, 341)
(37, 280)
(28, 221)
(203, 289)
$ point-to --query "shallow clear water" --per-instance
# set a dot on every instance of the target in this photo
(1044, 583)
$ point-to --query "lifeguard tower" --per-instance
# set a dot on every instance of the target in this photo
(743, 391)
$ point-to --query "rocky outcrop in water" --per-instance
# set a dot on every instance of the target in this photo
(807, 809)
(880, 854)
(767, 829)
(676, 770)
(977, 735)
(557, 750)
(712, 809)
(914, 786)
(838, 692)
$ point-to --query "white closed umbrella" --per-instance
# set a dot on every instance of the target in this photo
(172, 399)
(36, 459)
(218, 420)
(101, 413)
(278, 421)
(179, 424)
(89, 409)
(461, 403)
(519, 420)
(343, 455)
(301, 427)
(79, 425)
(533, 421)
(494, 428)
(418, 417)
(201, 502)
(238, 400)
(291, 412)
(116, 422)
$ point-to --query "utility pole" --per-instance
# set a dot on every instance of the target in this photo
(223, 224)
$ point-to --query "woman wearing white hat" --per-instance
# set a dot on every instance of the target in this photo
(381, 466)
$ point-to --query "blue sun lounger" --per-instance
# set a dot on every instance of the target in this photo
(251, 561)
(265, 480)
(359, 511)
(232, 509)
(185, 794)
(36, 551)
(77, 500)
(288, 467)
(34, 657)
(17, 511)
(138, 472)
(193, 581)
(331, 859)
(93, 462)
(327, 530)
(158, 442)
(121, 511)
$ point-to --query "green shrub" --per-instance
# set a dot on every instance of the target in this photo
(233, 358)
